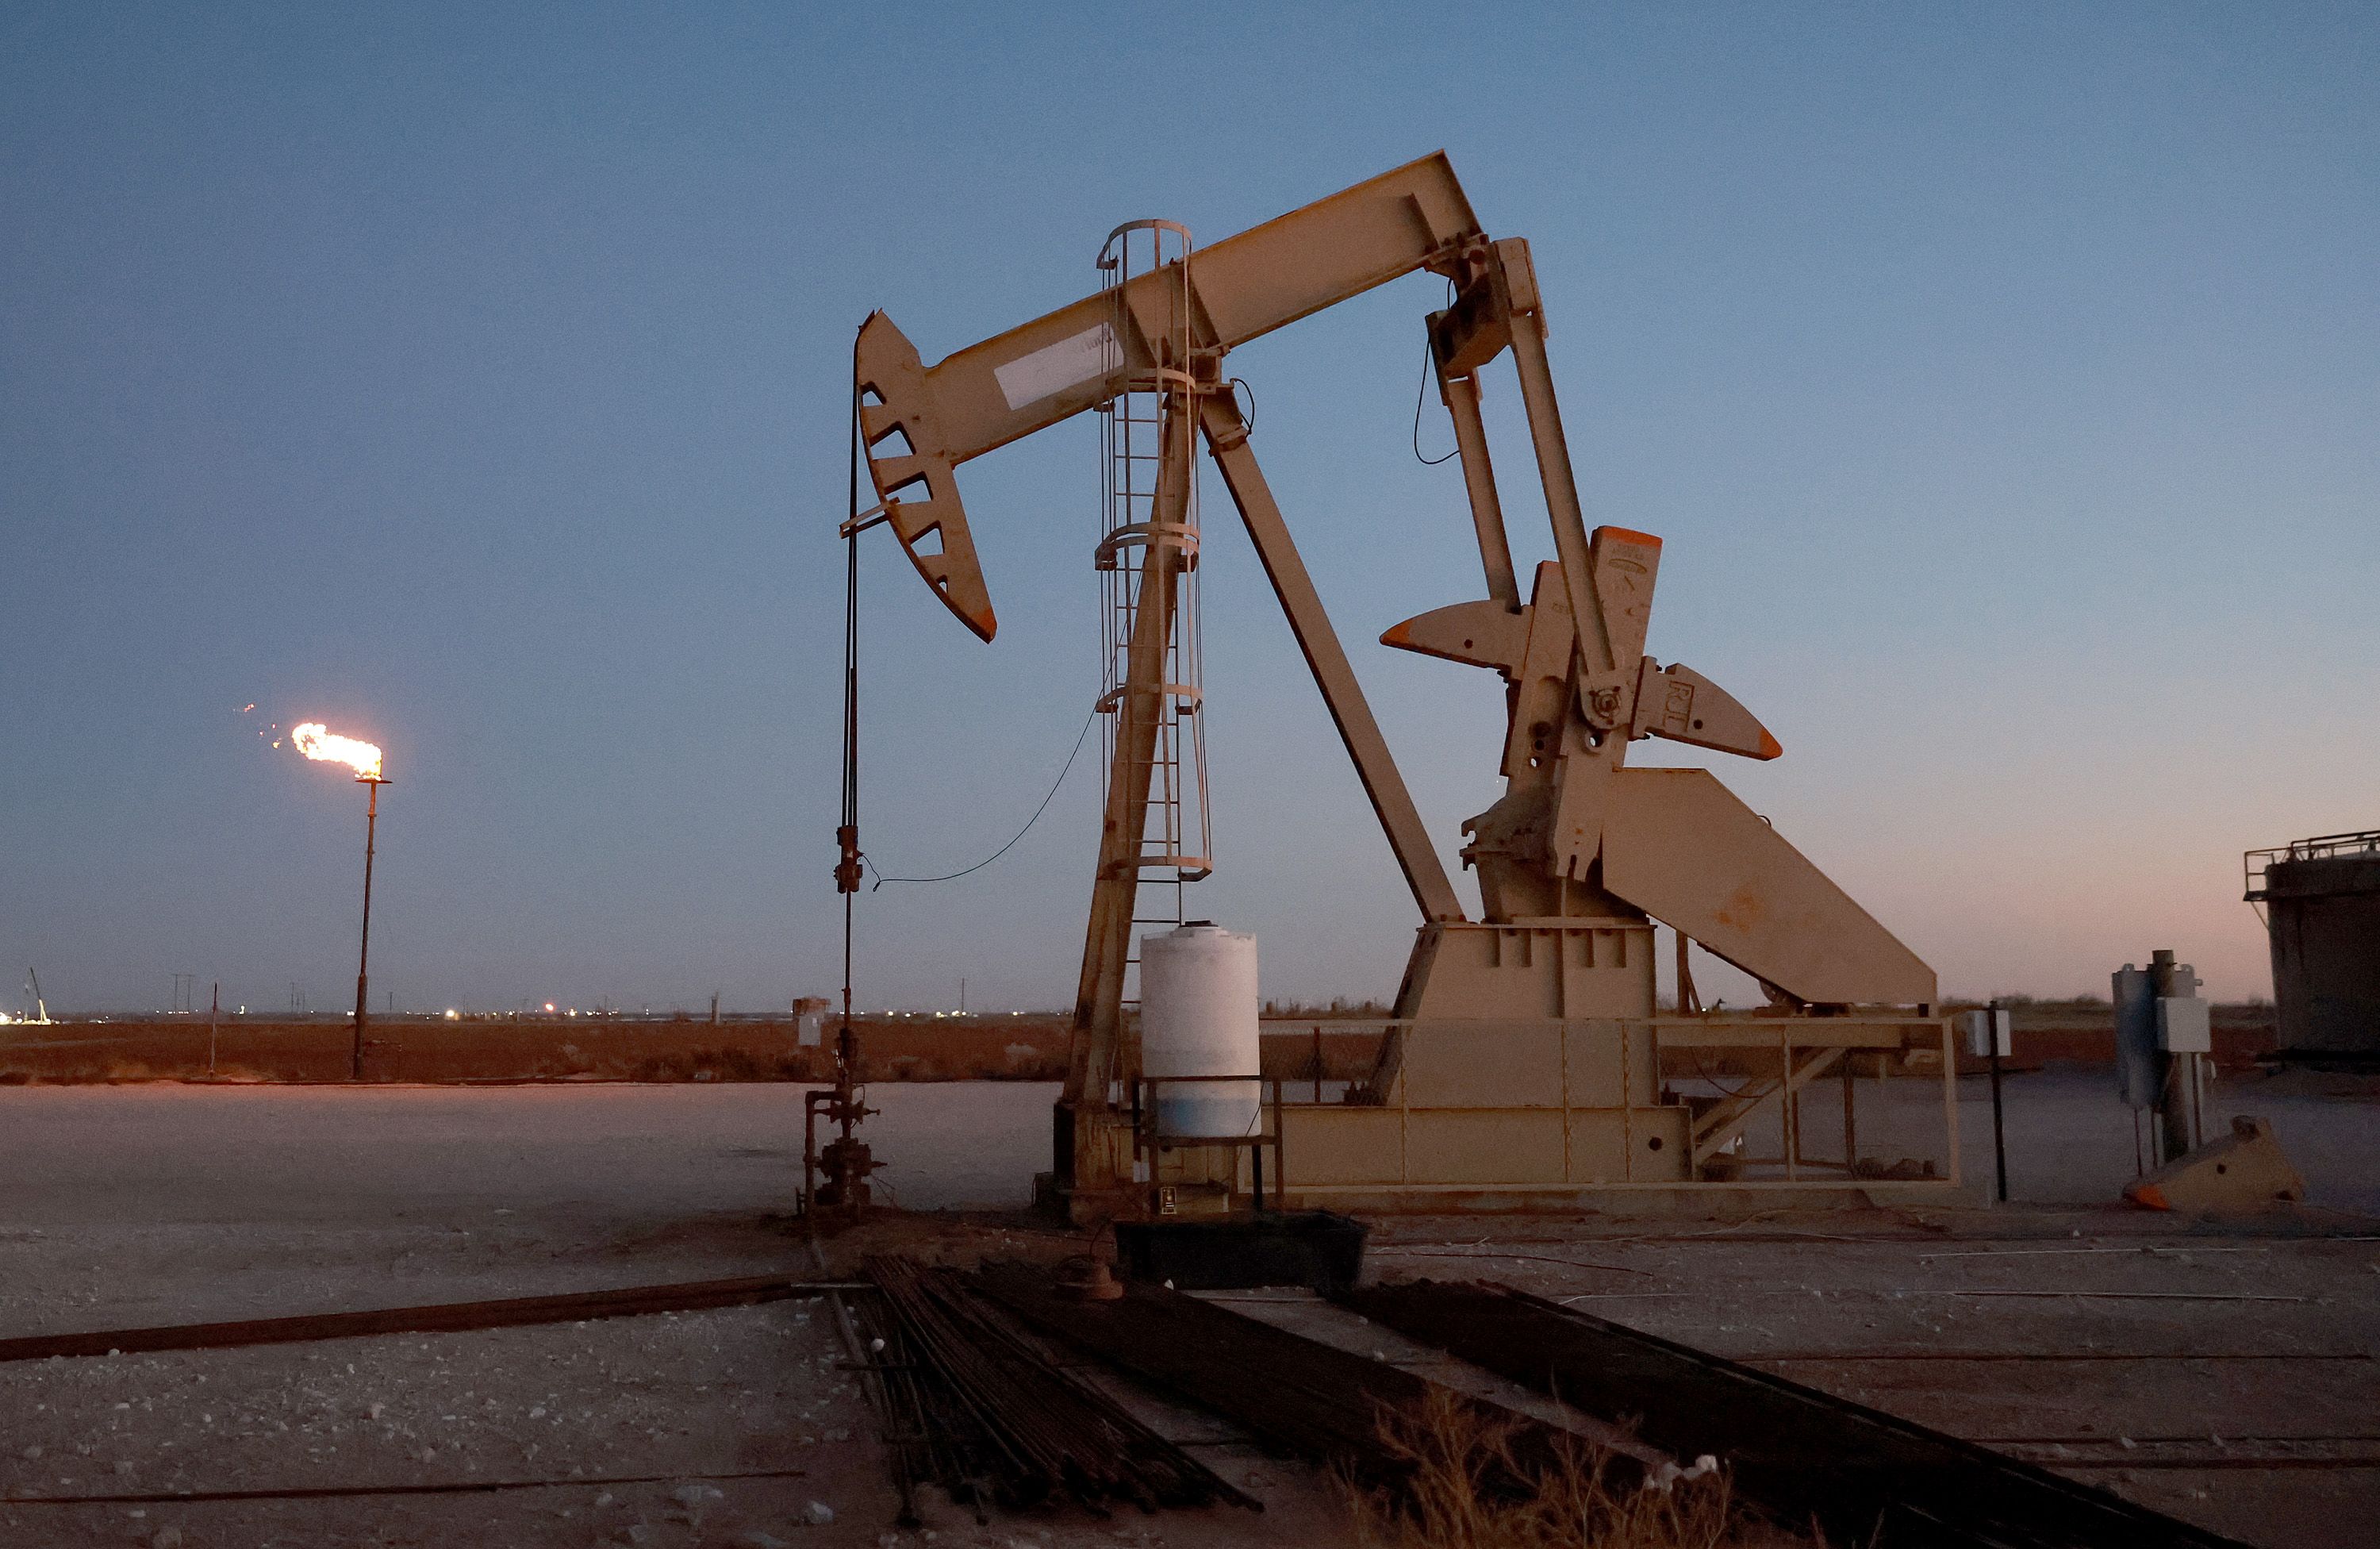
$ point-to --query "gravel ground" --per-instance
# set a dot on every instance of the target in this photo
(2246, 1405)
(665, 1431)
(136, 1205)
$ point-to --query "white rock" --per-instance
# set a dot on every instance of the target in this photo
(166, 1537)
(753, 1538)
(817, 1514)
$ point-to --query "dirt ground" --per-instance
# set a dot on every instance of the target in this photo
(2226, 1373)
(529, 1047)
(922, 1047)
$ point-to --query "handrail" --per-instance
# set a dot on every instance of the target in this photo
(2254, 864)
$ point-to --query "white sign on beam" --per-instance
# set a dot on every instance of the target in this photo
(1981, 1028)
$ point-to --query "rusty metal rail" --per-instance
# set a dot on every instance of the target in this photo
(1803, 1456)
(451, 1317)
(366, 1492)
(1007, 1414)
(1296, 1396)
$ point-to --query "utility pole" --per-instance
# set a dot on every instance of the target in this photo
(214, 1009)
(2000, 1138)
(1988, 1039)
(363, 956)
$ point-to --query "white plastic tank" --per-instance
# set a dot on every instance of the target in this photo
(1198, 1012)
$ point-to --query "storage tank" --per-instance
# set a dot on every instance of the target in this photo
(1198, 1012)
(2322, 898)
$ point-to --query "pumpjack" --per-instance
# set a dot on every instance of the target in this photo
(1522, 1065)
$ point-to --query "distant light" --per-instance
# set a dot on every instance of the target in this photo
(453, 1014)
(549, 1006)
(574, 1010)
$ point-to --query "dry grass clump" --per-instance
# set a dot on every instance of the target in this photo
(1464, 1492)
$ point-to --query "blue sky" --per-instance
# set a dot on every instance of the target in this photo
(2002, 379)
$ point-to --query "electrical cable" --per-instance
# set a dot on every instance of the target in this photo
(1419, 388)
(1428, 355)
(1080, 737)
(1713, 1082)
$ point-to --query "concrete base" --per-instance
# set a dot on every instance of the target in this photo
(2246, 1170)
(1703, 1202)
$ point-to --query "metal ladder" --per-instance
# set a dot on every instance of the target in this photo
(1174, 847)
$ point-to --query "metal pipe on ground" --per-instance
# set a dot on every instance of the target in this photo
(1801, 1455)
(1303, 1399)
(452, 1317)
(1039, 1432)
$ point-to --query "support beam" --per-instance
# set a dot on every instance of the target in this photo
(1607, 683)
(1227, 438)
(1107, 946)
(1461, 396)
(1726, 1122)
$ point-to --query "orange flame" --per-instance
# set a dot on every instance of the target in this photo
(314, 739)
